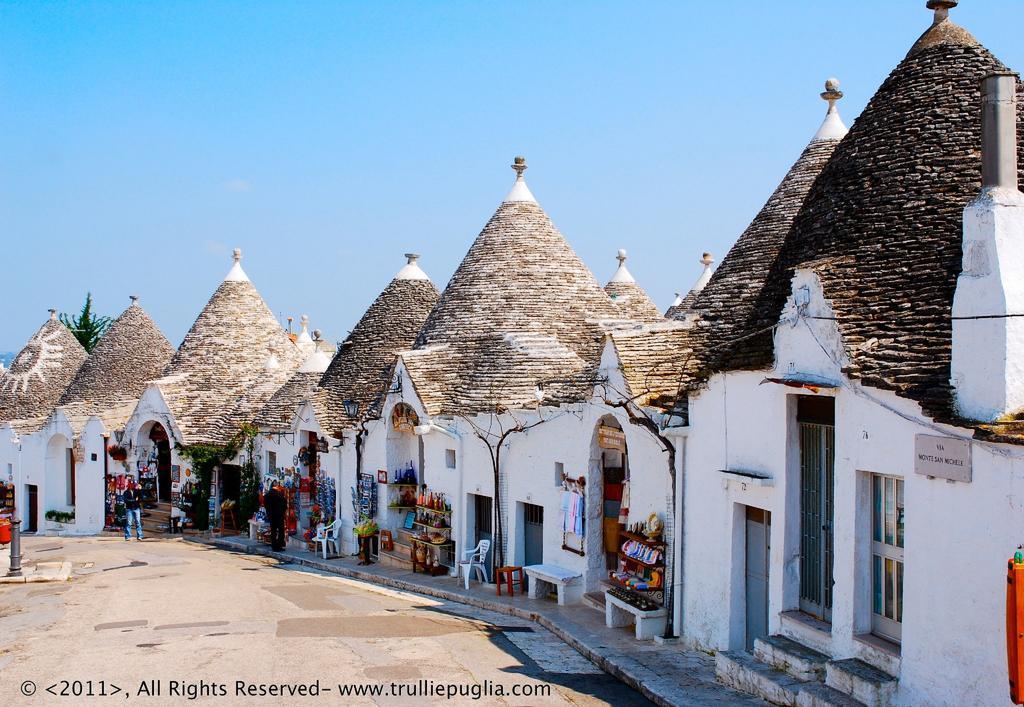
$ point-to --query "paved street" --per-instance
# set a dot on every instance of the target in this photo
(184, 619)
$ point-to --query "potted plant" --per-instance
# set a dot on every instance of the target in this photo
(117, 452)
(58, 520)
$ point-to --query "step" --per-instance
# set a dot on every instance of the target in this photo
(864, 682)
(741, 671)
(395, 559)
(816, 694)
(791, 656)
(595, 600)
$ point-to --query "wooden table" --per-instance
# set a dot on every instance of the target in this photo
(508, 572)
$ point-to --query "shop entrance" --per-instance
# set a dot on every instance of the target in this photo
(32, 520)
(611, 442)
(163, 462)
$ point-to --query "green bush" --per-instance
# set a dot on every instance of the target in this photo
(60, 516)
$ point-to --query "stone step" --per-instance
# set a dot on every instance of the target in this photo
(816, 694)
(862, 681)
(595, 600)
(395, 559)
(795, 658)
(743, 672)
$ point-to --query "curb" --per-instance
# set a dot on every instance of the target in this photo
(62, 574)
(611, 664)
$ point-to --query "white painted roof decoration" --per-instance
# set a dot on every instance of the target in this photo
(832, 128)
(622, 274)
(520, 192)
(53, 315)
(272, 361)
(942, 8)
(317, 362)
(411, 270)
(677, 301)
(706, 260)
(236, 274)
(304, 337)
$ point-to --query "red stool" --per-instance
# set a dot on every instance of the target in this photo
(507, 574)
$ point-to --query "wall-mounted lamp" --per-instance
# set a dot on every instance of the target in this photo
(351, 408)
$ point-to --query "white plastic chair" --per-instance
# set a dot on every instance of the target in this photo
(327, 535)
(475, 559)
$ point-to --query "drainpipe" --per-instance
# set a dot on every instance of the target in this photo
(460, 501)
(679, 526)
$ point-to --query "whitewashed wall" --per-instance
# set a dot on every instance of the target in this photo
(958, 535)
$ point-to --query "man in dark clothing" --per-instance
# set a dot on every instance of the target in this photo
(276, 506)
(132, 498)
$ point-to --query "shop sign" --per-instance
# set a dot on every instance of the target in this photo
(942, 458)
(611, 438)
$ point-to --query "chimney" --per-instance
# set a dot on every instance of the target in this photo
(987, 367)
(999, 131)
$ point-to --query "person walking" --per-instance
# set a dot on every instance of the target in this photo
(132, 510)
(276, 506)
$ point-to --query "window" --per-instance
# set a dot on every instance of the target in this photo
(271, 462)
(887, 556)
(559, 473)
(449, 458)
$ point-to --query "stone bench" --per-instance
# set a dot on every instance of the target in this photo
(567, 583)
(648, 623)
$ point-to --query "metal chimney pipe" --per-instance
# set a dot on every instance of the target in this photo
(999, 131)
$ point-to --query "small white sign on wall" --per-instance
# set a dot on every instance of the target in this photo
(943, 457)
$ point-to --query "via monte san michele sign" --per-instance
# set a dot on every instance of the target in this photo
(942, 457)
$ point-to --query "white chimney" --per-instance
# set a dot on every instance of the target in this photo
(988, 308)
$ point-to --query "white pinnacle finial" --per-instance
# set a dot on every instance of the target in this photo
(53, 315)
(520, 192)
(411, 270)
(134, 299)
(304, 336)
(942, 8)
(622, 273)
(706, 260)
(832, 128)
(236, 274)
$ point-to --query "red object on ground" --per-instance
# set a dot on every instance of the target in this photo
(1015, 630)
(5, 532)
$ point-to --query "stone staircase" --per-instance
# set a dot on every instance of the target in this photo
(399, 557)
(785, 672)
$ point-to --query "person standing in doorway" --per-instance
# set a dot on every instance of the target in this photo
(276, 507)
(133, 510)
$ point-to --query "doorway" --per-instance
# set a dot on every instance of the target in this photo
(533, 534)
(32, 495)
(816, 420)
(758, 552)
(483, 527)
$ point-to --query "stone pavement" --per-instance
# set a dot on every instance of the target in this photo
(664, 673)
(33, 571)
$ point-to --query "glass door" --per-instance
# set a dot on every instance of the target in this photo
(887, 556)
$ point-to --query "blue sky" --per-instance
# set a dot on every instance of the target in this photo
(141, 141)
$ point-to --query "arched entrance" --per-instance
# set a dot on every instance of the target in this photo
(607, 482)
(154, 474)
(59, 476)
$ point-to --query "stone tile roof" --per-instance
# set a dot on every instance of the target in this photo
(657, 362)
(882, 225)
(131, 354)
(363, 366)
(729, 304)
(521, 308)
(219, 377)
(39, 375)
(631, 301)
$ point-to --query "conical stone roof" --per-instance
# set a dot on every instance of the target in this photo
(730, 300)
(218, 379)
(521, 307)
(882, 226)
(132, 353)
(631, 301)
(40, 374)
(362, 368)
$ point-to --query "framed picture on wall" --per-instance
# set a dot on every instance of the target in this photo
(382, 476)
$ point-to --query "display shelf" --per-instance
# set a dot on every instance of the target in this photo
(643, 539)
(617, 583)
(655, 565)
(416, 538)
(402, 508)
(433, 510)
(433, 527)
(403, 484)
